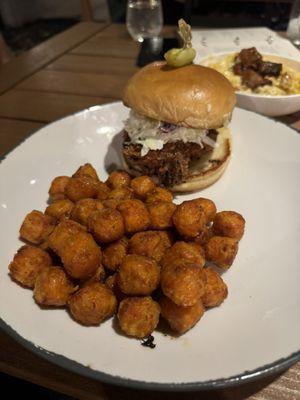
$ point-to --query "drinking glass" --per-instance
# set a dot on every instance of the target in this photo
(293, 30)
(144, 18)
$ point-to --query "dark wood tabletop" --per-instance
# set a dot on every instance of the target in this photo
(83, 66)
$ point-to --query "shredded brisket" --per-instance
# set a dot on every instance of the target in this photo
(171, 163)
(253, 70)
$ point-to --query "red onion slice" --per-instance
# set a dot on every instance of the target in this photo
(166, 127)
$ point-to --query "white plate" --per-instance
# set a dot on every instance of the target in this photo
(271, 106)
(256, 330)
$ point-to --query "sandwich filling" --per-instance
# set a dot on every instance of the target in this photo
(153, 135)
(164, 150)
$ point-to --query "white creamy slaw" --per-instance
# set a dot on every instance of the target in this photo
(148, 133)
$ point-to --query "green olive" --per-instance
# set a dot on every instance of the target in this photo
(180, 57)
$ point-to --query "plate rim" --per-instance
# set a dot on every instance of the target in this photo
(75, 367)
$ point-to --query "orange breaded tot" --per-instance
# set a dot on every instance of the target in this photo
(57, 188)
(98, 276)
(180, 319)
(92, 304)
(81, 257)
(102, 191)
(82, 187)
(53, 287)
(36, 227)
(138, 316)
(106, 225)
(230, 224)
(208, 206)
(151, 244)
(189, 219)
(142, 186)
(116, 196)
(221, 251)
(112, 283)
(120, 194)
(114, 254)
(86, 170)
(215, 289)
(138, 275)
(62, 233)
(161, 213)
(84, 208)
(159, 194)
(184, 251)
(203, 236)
(183, 282)
(111, 203)
(118, 179)
(135, 214)
(60, 209)
(27, 264)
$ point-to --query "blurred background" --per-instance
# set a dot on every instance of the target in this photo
(25, 23)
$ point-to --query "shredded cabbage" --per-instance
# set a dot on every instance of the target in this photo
(146, 132)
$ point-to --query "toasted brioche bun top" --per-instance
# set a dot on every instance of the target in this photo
(192, 96)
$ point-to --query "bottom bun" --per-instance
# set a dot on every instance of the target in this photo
(205, 171)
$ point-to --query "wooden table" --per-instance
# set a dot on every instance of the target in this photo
(83, 66)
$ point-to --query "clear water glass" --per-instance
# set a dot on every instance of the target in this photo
(144, 19)
(293, 30)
